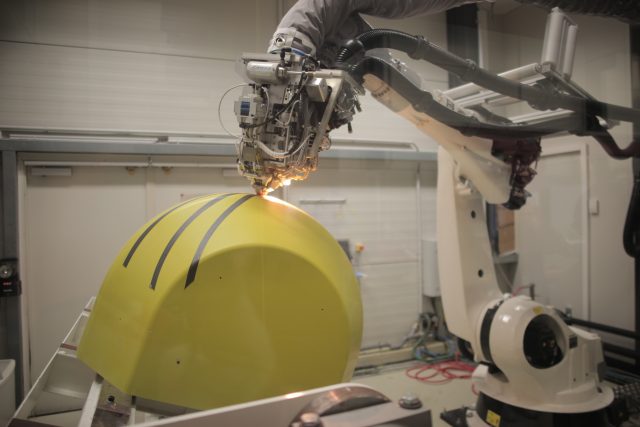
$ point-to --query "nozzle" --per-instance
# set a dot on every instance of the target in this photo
(260, 189)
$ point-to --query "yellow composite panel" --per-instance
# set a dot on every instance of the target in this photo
(224, 299)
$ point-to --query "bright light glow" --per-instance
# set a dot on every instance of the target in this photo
(286, 182)
(293, 395)
(279, 201)
(262, 192)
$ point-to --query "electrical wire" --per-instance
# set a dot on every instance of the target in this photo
(304, 142)
(441, 372)
(421, 351)
(281, 123)
(220, 109)
(275, 154)
(280, 154)
(288, 125)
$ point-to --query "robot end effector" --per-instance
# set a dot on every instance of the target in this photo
(286, 113)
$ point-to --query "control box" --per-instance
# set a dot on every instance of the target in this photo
(9, 279)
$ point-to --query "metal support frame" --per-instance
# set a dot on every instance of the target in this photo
(10, 308)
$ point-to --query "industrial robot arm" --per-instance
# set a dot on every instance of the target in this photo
(530, 360)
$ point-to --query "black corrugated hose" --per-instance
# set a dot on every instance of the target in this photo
(375, 38)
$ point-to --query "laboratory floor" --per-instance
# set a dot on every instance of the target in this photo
(394, 383)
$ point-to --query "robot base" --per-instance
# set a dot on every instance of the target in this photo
(491, 412)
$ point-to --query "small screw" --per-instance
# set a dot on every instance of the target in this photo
(410, 401)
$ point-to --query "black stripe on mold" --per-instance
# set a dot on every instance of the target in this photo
(177, 234)
(134, 248)
(191, 275)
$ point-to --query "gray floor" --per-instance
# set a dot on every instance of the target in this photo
(393, 382)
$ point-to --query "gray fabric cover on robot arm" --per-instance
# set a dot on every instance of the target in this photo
(319, 27)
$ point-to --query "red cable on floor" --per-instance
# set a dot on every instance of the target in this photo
(440, 372)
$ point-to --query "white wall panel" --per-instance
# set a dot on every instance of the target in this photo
(151, 66)
(428, 182)
(379, 209)
(54, 87)
(376, 207)
(390, 301)
(166, 188)
(550, 234)
(201, 28)
(74, 227)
